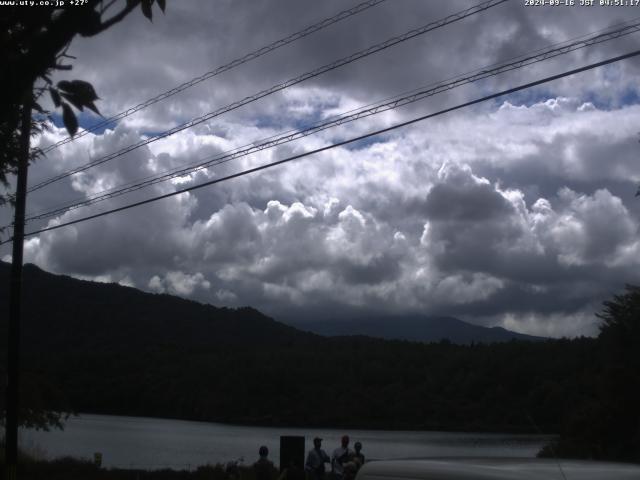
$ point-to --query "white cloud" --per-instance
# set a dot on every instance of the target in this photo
(178, 283)
(519, 213)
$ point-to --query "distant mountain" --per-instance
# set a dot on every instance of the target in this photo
(100, 314)
(104, 348)
(417, 329)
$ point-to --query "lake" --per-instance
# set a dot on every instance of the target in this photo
(153, 443)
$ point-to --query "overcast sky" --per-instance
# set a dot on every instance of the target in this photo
(518, 212)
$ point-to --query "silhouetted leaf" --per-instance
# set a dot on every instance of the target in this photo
(83, 90)
(74, 100)
(80, 94)
(162, 4)
(146, 8)
(92, 106)
(69, 119)
(55, 96)
(64, 85)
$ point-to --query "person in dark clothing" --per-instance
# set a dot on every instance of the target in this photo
(264, 468)
(358, 456)
(316, 460)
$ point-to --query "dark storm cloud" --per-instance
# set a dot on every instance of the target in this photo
(476, 203)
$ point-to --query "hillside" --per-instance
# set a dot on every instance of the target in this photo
(98, 316)
(104, 348)
(417, 329)
(132, 316)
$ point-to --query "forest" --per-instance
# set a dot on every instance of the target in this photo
(109, 349)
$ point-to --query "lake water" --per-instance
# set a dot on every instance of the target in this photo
(152, 443)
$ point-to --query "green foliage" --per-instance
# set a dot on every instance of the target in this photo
(43, 406)
(606, 424)
(620, 327)
(79, 93)
(33, 44)
(146, 9)
(113, 349)
(77, 469)
(69, 119)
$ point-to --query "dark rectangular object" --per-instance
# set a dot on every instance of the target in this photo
(291, 448)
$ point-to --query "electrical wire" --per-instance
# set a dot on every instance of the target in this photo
(276, 88)
(415, 90)
(378, 107)
(339, 144)
(221, 69)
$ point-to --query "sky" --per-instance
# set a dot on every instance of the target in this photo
(519, 212)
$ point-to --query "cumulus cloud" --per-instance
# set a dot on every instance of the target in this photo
(178, 283)
(517, 213)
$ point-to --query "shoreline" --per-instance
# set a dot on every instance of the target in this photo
(400, 427)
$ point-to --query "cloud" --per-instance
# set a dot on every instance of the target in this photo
(591, 229)
(405, 225)
(178, 283)
(518, 213)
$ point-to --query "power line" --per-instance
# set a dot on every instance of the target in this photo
(223, 68)
(382, 106)
(339, 144)
(276, 88)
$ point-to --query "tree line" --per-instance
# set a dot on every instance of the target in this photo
(115, 350)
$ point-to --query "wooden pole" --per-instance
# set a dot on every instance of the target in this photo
(15, 294)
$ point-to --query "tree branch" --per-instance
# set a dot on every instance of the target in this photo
(51, 41)
(115, 19)
(107, 6)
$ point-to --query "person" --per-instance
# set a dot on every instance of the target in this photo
(340, 457)
(264, 468)
(358, 456)
(316, 460)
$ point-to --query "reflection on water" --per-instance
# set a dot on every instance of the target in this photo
(151, 443)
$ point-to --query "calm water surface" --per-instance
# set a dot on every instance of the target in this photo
(151, 443)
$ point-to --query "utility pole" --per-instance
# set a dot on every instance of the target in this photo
(15, 292)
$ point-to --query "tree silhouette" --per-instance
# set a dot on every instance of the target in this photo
(606, 423)
(33, 44)
(620, 317)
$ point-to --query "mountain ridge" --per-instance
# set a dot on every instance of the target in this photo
(56, 306)
(418, 328)
(69, 298)
(112, 349)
